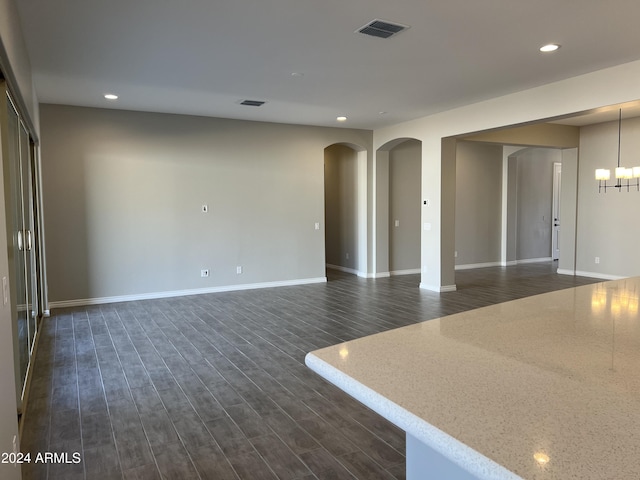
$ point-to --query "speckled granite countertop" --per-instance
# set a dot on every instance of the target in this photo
(546, 387)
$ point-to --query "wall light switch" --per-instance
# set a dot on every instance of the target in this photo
(317, 225)
(397, 223)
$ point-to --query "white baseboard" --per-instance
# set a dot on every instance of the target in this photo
(603, 276)
(511, 263)
(340, 268)
(471, 266)
(411, 271)
(439, 289)
(182, 293)
(580, 273)
(534, 260)
(378, 275)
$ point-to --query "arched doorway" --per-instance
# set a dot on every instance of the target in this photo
(398, 210)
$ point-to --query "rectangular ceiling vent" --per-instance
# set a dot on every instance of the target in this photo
(252, 103)
(382, 29)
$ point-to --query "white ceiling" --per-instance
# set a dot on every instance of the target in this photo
(203, 56)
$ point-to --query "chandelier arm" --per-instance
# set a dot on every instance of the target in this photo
(619, 130)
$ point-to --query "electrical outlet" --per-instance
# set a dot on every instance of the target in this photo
(597, 259)
(204, 273)
(317, 225)
(347, 256)
(238, 269)
(455, 254)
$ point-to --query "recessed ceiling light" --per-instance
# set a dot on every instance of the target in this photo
(111, 96)
(552, 47)
(341, 119)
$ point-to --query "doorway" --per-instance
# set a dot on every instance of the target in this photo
(555, 227)
(345, 199)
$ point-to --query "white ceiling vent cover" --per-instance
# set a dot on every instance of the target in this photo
(382, 29)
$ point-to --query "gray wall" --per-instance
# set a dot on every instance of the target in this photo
(123, 193)
(534, 210)
(608, 224)
(568, 210)
(478, 203)
(479, 172)
(405, 164)
(341, 195)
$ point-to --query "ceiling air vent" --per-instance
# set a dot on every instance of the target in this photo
(252, 103)
(382, 29)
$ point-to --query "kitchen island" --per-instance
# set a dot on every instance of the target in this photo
(545, 387)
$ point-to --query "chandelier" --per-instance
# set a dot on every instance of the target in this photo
(624, 176)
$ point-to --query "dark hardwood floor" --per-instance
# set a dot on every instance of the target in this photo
(215, 387)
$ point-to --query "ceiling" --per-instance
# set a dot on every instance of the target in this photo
(305, 60)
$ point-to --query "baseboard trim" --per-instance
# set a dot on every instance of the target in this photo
(379, 275)
(563, 271)
(534, 260)
(471, 266)
(602, 276)
(340, 268)
(183, 293)
(439, 289)
(411, 271)
(511, 263)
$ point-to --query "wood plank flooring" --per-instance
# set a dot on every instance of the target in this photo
(215, 387)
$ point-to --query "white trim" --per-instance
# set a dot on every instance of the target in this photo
(340, 268)
(534, 260)
(603, 276)
(579, 273)
(411, 271)
(182, 293)
(439, 289)
(378, 275)
(564, 271)
(471, 266)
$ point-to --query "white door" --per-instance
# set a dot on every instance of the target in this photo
(555, 229)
